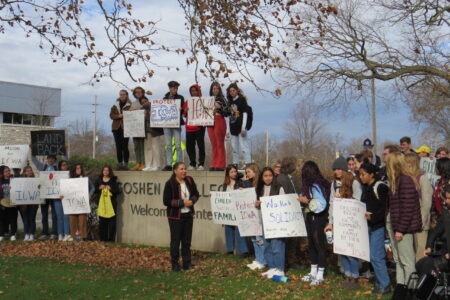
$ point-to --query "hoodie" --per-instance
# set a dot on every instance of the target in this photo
(185, 109)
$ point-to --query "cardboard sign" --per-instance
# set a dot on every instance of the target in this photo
(282, 216)
(248, 216)
(14, 156)
(222, 208)
(134, 123)
(49, 181)
(200, 111)
(165, 113)
(350, 229)
(25, 191)
(76, 196)
(48, 142)
(429, 167)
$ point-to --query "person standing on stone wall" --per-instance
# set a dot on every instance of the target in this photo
(116, 114)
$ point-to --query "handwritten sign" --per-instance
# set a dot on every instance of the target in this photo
(350, 232)
(14, 156)
(201, 111)
(49, 181)
(248, 216)
(429, 167)
(76, 196)
(282, 216)
(134, 123)
(48, 142)
(25, 191)
(222, 208)
(165, 113)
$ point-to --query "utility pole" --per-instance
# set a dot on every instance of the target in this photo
(267, 147)
(94, 127)
(374, 117)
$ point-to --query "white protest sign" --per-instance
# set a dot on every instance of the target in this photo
(222, 208)
(200, 111)
(25, 191)
(76, 196)
(134, 123)
(350, 231)
(429, 167)
(165, 113)
(282, 216)
(247, 215)
(49, 181)
(14, 156)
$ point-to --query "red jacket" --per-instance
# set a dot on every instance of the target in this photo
(404, 207)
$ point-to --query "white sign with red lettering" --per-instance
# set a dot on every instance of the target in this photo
(200, 111)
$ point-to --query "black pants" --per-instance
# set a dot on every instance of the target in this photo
(28, 214)
(121, 146)
(181, 231)
(107, 228)
(44, 212)
(316, 239)
(192, 138)
(292, 250)
(8, 220)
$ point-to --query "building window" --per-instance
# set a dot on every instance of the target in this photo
(7, 118)
(24, 119)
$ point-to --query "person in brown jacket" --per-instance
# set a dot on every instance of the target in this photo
(116, 114)
(403, 220)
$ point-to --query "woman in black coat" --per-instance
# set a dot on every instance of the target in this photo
(180, 195)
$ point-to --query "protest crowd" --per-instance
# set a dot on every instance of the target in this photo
(406, 215)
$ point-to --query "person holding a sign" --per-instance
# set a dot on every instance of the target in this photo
(139, 95)
(194, 135)
(152, 141)
(8, 212)
(218, 132)
(180, 195)
(175, 133)
(122, 104)
(62, 220)
(28, 212)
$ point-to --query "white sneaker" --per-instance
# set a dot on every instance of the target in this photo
(200, 168)
(147, 169)
(52, 237)
(269, 273)
(27, 237)
(252, 265)
(60, 238)
(259, 266)
(308, 278)
(43, 237)
(276, 273)
(1, 238)
(67, 238)
(31, 238)
(316, 282)
(13, 238)
(190, 168)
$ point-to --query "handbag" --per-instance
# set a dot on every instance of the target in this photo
(105, 207)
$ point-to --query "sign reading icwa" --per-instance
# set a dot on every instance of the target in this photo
(76, 196)
(25, 191)
(14, 156)
(49, 181)
(350, 232)
(201, 111)
(247, 215)
(134, 123)
(282, 216)
(165, 113)
(222, 208)
(429, 167)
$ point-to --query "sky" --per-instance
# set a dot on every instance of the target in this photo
(22, 61)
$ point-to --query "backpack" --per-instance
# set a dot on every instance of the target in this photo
(249, 117)
(376, 185)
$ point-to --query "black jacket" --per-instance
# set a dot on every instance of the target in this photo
(115, 189)
(177, 96)
(172, 197)
(287, 183)
(437, 239)
(376, 205)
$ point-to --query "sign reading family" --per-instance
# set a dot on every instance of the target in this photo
(48, 142)
(49, 181)
(351, 235)
(223, 209)
(201, 111)
(247, 215)
(134, 123)
(165, 113)
(282, 216)
(25, 191)
(14, 156)
(75, 192)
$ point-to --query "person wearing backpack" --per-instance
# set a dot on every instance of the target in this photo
(375, 196)
(240, 122)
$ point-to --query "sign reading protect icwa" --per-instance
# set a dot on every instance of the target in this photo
(165, 113)
(49, 181)
(25, 191)
(14, 156)
(247, 215)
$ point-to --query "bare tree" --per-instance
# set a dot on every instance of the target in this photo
(41, 101)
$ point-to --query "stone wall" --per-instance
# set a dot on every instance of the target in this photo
(14, 134)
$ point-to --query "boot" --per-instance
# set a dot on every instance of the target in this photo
(400, 292)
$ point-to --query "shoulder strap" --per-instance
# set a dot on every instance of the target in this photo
(375, 188)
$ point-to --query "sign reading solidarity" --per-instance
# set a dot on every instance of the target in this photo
(222, 208)
(14, 156)
(134, 123)
(350, 231)
(76, 196)
(165, 113)
(201, 111)
(48, 142)
(25, 191)
(49, 181)
(282, 216)
(247, 215)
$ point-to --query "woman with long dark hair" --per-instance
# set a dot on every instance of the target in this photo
(139, 95)
(116, 114)
(180, 195)
(315, 196)
(8, 212)
(443, 170)
(62, 220)
(28, 212)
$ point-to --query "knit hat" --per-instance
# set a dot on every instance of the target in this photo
(425, 149)
(340, 164)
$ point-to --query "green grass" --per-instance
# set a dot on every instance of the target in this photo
(223, 277)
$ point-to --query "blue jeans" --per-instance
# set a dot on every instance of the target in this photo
(275, 254)
(378, 257)
(260, 244)
(168, 134)
(62, 221)
(231, 235)
(351, 265)
(240, 144)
